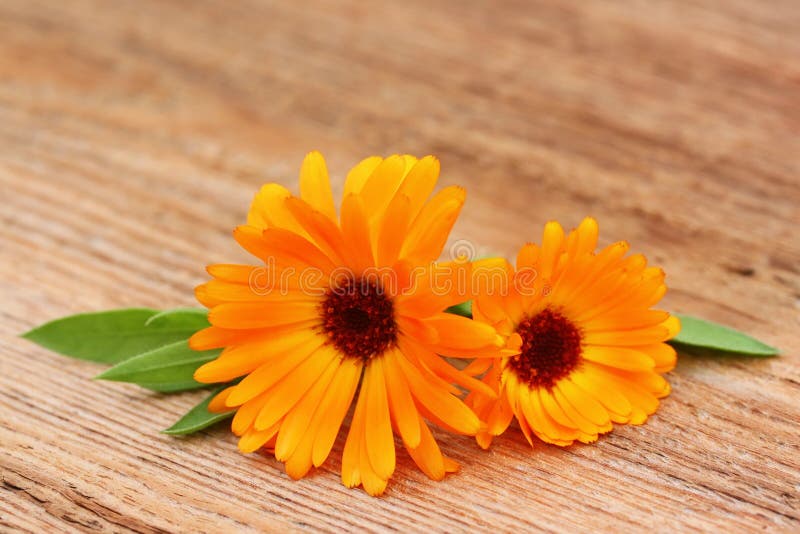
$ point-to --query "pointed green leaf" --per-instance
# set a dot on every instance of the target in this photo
(198, 418)
(705, 334)
(167, 369)
(190, 319)
(108, 336)
(464, 309)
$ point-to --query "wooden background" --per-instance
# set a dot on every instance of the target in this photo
(133, 135)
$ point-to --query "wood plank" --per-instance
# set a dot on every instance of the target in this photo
(133, 135)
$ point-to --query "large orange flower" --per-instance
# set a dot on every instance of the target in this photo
(583, 348)
(342, 301)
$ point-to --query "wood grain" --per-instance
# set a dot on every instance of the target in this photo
(133, 134)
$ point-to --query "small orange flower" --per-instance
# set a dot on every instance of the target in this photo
(583, 348)
(334, 306)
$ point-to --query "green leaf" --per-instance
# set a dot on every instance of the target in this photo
(166, 369)
(190, 319)
(198, 418)
(464, 309)
(108, 336)
(705, 334)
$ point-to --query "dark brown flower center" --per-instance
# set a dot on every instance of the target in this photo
(551, 349)
(359, 319)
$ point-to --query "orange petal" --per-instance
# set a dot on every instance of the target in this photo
(630, 291)
(663, 355)
(585, 404)
(552, 247)
(578, 420)
(462, 334)
(269, 211)
(217, 404)
(427, 454)
(246, 414)
(373, 484)
(619, 357)
(416, 356)
(478, 366)
(315, 186)
(356, 231)
(214, 337)
(378, 434)
(296, 423)
(428, 233)
(404, 413)
(271, 368)
(484, 440)
(392, 230)
(290, 248)
(408, 163)
(359, 174)
(639, 336)
(603, 390)
(600, 266)
(489, 309)
(650, 381)
(441, 368)
(499, 416)
(333, 409)
(221, 292)
(551, 407)
(351, 456)
(419, 183)
(299, 463)
(253, 439)
(249, 238)
(526, 430)
(241, 360)
(417, 329)
(585, 238)
(628, 319)
(643, 403)
(262, 314)
(450, 465)
(381, 186)
(239, 274)
(446, 407)
(538, 420)
(323, 231)
(436, 288)
(673, 326)
(285, 394)
(528, 256)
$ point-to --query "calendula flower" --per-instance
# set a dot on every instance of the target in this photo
(584, 348)
(341, 301)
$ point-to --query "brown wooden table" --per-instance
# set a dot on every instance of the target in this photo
(133, 135)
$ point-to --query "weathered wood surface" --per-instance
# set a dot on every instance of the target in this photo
(133, 134)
